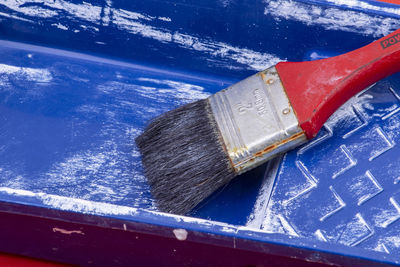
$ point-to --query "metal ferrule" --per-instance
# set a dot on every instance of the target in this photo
(256, 120)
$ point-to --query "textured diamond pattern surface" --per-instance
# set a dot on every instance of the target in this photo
(343, 186)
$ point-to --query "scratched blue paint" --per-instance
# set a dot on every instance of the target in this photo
(79, 80)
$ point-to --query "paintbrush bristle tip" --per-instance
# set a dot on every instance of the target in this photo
(184, 158)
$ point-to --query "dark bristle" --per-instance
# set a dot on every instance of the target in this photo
(183, 157)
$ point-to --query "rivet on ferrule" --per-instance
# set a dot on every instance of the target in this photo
(286, 111)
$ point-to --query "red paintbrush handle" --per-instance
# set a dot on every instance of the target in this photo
(318, 88)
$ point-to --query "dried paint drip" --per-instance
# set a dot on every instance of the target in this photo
(67, 232)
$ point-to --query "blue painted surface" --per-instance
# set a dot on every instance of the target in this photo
(343, 186)
(72, 103)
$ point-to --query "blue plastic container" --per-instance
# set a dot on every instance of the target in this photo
(79, 80)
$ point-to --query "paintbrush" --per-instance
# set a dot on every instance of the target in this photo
(190, 152)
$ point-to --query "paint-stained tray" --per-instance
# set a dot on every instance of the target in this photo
(79, 80)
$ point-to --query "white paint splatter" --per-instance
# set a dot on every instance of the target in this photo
(254, 60)
(50, 8)
(381, 247)
(226, 3)
(333, 18)
(60, 26)
(167, 19)
(394, 240)
(130, 15)
(346, 111)
(72, 204)
(137, 23)
(37, 75)
(19, 192)
(225, 227)
(274, 222)
(32, 74)
(365, 6)
(257, 216)
(2, 14)
(229, 229)
(99, 168)
(181, 90)
(180, 234)
(385, 217)
(107, 13)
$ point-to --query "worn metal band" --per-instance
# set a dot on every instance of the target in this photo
(256, 120)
